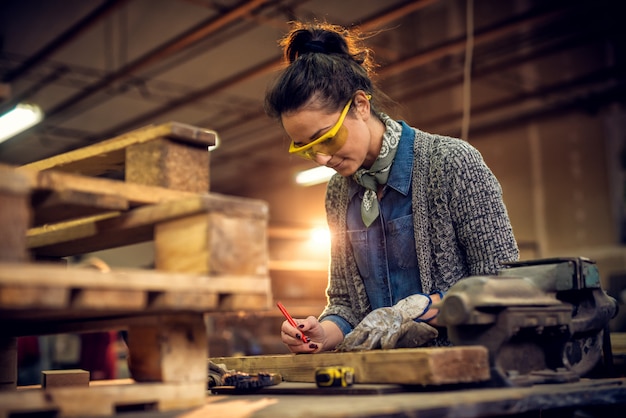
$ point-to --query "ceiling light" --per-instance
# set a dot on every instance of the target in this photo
(217, 142)
(20, 118)
(320, 236)
(314, 176)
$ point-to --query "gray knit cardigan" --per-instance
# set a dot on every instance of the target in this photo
(460, 223)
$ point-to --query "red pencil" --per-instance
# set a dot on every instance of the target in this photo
(291, 321)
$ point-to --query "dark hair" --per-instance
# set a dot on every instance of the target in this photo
(324, 60)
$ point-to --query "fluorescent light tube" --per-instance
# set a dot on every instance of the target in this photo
(20, 118)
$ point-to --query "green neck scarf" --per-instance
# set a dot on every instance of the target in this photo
(378, 174)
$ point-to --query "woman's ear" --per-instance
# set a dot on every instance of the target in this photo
(362, 104)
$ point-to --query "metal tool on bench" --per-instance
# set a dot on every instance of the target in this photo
(542, 321)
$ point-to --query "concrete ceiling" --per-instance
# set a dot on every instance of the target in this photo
(101, 68)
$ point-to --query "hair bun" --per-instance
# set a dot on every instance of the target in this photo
(315, 46)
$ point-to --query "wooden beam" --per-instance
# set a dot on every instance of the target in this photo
(135, 194)
(110, 156)
(55, 206)
(117, 229)
(168, 163)
(410, 366)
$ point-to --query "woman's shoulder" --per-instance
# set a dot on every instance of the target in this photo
(444, 149)
(337, 186)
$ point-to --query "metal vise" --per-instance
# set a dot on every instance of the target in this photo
(542, 321)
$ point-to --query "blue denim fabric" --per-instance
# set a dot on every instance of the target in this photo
(385, 252)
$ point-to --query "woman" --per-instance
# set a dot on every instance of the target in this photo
(410, 213)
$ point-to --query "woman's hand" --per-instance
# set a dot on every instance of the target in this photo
(430, 316)
(320, 336)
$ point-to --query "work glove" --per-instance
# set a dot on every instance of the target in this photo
(392, 327)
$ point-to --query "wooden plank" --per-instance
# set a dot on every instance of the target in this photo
(89, 235)
(135, 194)
(135, 226)
(47, 275)
(56, 206)
(102, 399)
(42, 298)
(108, 156)
(411, 366)
(168, 163)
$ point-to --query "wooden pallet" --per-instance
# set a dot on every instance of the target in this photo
(210, 255)
(102, 398)
(43, 298)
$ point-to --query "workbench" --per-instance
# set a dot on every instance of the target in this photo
(605, 398)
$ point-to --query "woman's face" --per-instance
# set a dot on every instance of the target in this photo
(352, 145)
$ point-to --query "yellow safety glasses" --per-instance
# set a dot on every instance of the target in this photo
(327, 144)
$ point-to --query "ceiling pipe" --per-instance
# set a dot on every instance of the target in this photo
(171, 47)
(262, 69)
(458, 45)
(48, 79)
(377, 21)
(487, 70)
(273, 64)
(580, 86)
(193, 36)
(65, 38)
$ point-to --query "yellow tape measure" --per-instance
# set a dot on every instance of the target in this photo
(334, 376)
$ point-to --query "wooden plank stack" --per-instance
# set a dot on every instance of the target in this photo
(210, 255)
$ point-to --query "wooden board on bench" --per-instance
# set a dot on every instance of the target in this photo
(407, 366)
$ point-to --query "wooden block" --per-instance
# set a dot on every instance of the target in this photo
(8, 363)
(231, 240)
(21, 296)
(63, 378)
(109, 156)
(168, 163)
(169, 348)
(618, 343)
(410, 366)
(15, 215)
(223, 241)
(102, 398)
(104, 299)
